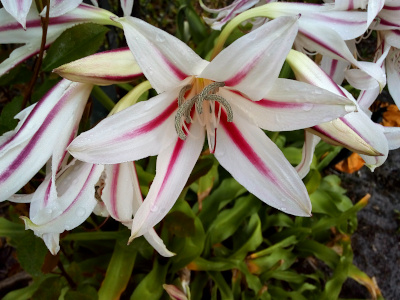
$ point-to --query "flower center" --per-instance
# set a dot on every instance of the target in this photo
(207, 117)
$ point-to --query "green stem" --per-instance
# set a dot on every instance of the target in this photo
(102, 97)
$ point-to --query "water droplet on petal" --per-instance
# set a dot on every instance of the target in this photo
(154, 208)
(283, 209)
(48, 211)
(307, 106)
(160, 37)
(80, 212)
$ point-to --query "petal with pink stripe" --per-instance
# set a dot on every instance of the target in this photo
(127, 6)
(18, 9)
(291, 105)
(174, 165)
(104, 68)
(46, 131)
(310, 141)
(122, 197)
(255, 161)
(252, 63)
(75, 201)
(164, 59)
(60, 7)
(141, 130)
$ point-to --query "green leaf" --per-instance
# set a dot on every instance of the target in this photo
(189, 247)
(228, 221)
(151, 286)
(251, 238)
(202, 167)
(312, 181)
(7, 121)
(119, 271)
(26, 292)
(180, 224)
(31, 250)
(83, 292)
(228, 190)
(49, 288)
(223, 287)
(77, 42)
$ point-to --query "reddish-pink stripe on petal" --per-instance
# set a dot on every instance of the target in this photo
(238, 77)
(80, 192)
(333, 68)
(151, 125)
(391, 7)
(30, 116)
(114, 190)
(353, 128)
(25, 153)
(47, 194)
(239, 140)
(178, 73)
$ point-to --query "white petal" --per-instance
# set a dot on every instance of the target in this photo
(393, 75)
(118, 193)
(328, 42)
(392, 37)
(390, 139)
(227, 13)
(164, 59)
(347, 24)
(11, 31)
(374, 7)
(123, 198)
(393, 137)
(334, 68)
(291, 105)
(52, 241)
(75, 201)
(354, 131)
(174, 165)
(366, 98)
(60, 7)
(45, 132)
(310, 141)
(253, 62)
(157, 243)
(18, 9)
(127, 6)
(256, 162)
(134, 133)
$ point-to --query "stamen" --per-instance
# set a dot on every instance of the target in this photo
(211, 88)
(182, 93)
(185, 107)
(224, 103)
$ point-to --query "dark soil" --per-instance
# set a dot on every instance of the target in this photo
(376, 243)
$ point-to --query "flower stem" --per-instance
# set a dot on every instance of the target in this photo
(102, 97)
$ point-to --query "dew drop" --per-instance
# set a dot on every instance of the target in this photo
(307, 106)
(48, 211)
(67, 227)
(80, 212)
(326, 119)
(160, 37)
(283, 209)
(154, 208)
